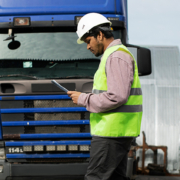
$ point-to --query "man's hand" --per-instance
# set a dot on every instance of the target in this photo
(74, 95)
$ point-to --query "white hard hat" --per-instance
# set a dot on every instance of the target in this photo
(87, 22)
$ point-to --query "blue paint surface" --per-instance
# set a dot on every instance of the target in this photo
(33, 143)
(80, 155)
(45, 123)
(55, 10)
(43, 110)
(55, 135)
(26, 7)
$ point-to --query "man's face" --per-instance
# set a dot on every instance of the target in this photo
(94, 45)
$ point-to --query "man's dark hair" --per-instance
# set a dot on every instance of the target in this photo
(105, 29)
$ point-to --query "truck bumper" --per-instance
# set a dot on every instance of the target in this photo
(64, 171)
(43, 171)
(48, 169)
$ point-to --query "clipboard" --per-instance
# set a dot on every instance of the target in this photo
(59, 86)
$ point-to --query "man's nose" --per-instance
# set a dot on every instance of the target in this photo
(88, 46)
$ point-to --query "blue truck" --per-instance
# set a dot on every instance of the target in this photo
(42, 133)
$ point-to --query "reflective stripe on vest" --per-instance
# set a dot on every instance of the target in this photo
(134, 91)
(124, 120)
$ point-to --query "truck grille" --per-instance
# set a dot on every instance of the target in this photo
(52, 116)
(52, 121)
(47, 116)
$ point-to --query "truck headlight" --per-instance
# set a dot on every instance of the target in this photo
(22, 21)
(2, 153)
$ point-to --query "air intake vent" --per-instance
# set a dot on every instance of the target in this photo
(7, 88)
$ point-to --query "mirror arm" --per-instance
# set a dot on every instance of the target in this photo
(143, 60)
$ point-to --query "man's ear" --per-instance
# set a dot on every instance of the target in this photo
(100, 36)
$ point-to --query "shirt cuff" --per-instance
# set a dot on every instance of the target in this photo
(81, 99)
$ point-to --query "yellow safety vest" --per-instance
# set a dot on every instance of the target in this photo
(124, 121)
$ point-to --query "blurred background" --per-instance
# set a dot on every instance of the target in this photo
(155, 24)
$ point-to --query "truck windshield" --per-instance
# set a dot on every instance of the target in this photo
(46, 56)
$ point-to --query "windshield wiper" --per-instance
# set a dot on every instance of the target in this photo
(73, 77)
(19, 75)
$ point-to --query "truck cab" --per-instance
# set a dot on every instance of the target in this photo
(42, 133)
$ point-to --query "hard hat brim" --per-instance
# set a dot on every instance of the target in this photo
(79, 41)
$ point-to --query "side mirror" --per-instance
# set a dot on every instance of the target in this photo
(143, 58)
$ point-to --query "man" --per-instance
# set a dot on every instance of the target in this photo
(115, 102)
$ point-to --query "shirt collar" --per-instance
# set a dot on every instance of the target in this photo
(114, 43)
